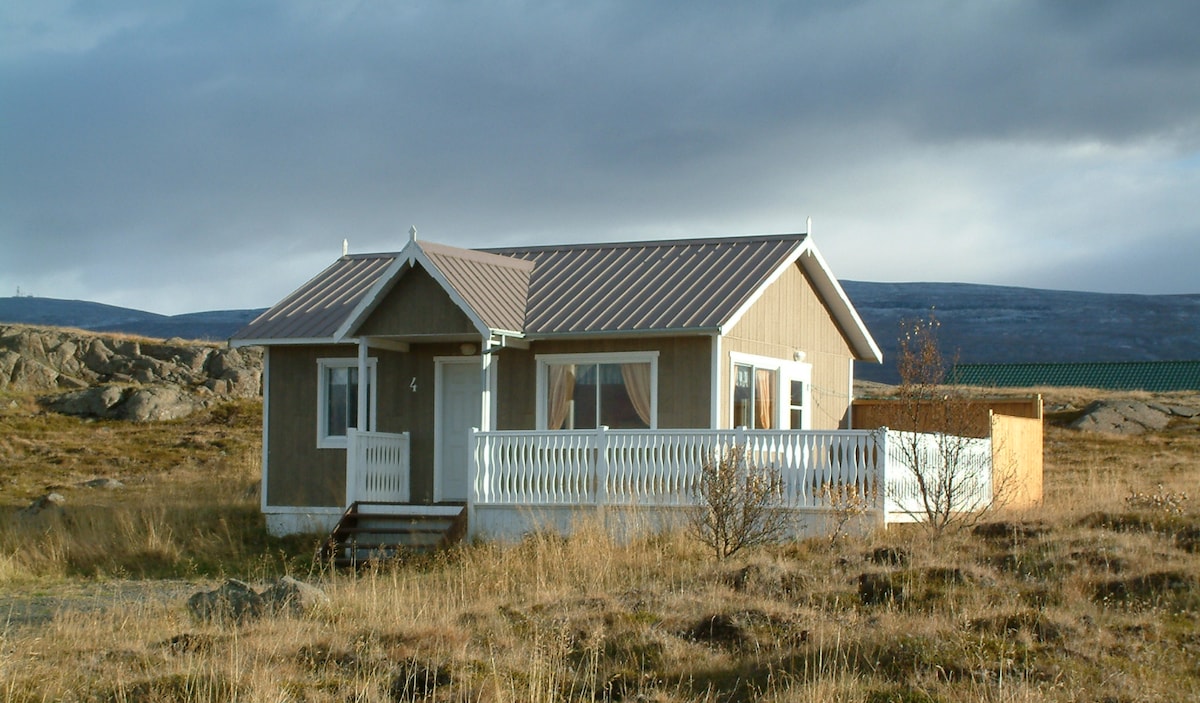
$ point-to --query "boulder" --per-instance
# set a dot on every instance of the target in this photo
(234, 602)
(158, 403)
(96, 401)
(49, 503)
(287, 595)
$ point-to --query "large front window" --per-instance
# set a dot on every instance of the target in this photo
(585, 391)
(337, 401)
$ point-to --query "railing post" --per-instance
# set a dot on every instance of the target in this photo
(473, 478)
(352, 468)
(882, 466)
(601, 465)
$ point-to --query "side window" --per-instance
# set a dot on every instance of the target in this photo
(796, 405)
(337, 400)
(770, 393)
(754, 392)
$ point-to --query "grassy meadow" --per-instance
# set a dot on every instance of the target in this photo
(1093, 597)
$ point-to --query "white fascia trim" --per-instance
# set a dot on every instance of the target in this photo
(843, 310)
(298, 341)
(758, 292)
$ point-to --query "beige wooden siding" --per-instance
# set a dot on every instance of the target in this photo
(789, 317)
(683, 372)
(417, 305)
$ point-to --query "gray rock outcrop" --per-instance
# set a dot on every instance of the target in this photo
(1128, 417)
(115, 377)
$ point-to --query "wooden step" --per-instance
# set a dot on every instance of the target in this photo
(370, 532)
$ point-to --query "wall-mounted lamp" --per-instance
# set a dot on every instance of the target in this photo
(467, 349)
(798, 356)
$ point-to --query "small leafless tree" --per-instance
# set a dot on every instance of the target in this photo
(741, 505)
(939, 444)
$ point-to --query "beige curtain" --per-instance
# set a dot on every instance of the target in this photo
(764, 397)
(637, 385)
(561, 392)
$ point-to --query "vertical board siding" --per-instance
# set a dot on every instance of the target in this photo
(1017, 460)
(790, 317)
(300, 474)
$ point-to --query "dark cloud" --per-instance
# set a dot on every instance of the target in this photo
(202, 142)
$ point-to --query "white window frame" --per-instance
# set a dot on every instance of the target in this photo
(544, 361)
(324, 439)
(785, 373)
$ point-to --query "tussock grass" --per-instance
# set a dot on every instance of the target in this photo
(1091, 597)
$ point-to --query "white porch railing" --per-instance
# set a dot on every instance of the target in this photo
(658, 468)
(662, 468)
(377, 467)
(957, 472)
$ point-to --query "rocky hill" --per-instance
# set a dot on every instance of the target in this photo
(124, 377)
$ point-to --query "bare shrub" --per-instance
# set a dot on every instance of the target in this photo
(940, 446)
(741, 504)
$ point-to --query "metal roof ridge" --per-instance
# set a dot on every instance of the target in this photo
(482, 256)
(649, 243)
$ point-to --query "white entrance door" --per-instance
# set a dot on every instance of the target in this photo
(459, 408)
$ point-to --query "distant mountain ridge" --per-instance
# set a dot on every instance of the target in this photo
(1002, 324)
(980, 323)
(215, 325)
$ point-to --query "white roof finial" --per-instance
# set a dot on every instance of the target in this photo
(345, 247)
(808, 226)
(412, 233)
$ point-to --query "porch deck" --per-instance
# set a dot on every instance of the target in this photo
(523, 480)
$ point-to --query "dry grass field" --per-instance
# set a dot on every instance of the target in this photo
(1093, 597)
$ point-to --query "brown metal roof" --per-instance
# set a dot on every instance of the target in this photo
(316, 309)
(647, 286)
(495, 287)
(616, 288)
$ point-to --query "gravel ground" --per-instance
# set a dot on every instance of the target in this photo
(41, 604)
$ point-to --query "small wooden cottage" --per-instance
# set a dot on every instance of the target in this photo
(482, 383)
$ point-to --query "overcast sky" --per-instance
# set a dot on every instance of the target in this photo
(179, 156)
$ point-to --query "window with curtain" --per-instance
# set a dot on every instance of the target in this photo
(618, 394)
(754, 391)
(337, 402)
